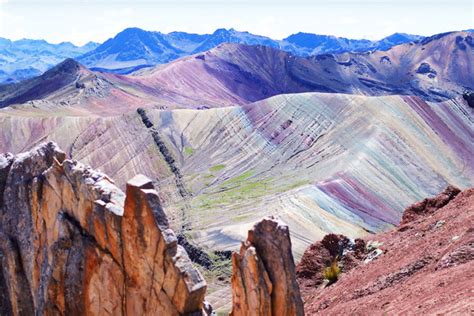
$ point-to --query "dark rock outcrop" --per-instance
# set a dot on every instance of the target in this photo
(321, 254)
(72, 243)
(429, 205)
(425, 68)
(263, 280)
(469, 97)
(165, 152)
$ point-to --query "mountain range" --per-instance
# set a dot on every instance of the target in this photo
(437, 68)
(27, 58)
(134, 48)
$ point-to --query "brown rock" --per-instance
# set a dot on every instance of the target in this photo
(263, 280)
(167, 283)
(251, 285)
(68, 245)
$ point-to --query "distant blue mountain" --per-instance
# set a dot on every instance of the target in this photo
(187, 42)
(305, 44)
(27, 58)
(395, 39)
(134, 48)
(232, 36)
(130, 48)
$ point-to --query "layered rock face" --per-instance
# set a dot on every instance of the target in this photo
(72, 243)
(263, 280)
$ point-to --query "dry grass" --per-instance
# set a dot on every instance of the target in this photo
(332, 272)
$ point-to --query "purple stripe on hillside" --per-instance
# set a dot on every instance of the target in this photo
(260, 117)
(358, 199)
(459, 146)
(464, 133)
(255, 112)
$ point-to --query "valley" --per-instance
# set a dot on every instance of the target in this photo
(289, 155)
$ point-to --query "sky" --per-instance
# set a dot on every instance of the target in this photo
(80, 21)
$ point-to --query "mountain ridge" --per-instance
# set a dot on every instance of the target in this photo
(119, 55)
(182, 44)
(238, 74)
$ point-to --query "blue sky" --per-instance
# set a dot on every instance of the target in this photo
(79, 21)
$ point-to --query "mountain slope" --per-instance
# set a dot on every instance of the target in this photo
(71, 88)
(324, 163)
(221, 36)
(395, 39)
(40, 87)
(424, 267)
(307, 44)
(187, 42)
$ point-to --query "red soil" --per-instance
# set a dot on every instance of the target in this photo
(427, 266)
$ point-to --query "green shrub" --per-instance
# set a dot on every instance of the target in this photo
(332, 272)
(188, 151)
(216, 168)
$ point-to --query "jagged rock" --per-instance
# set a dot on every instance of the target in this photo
(6, 161)
(69, 246)
(429, 205)
(251, 285)
(264, 280)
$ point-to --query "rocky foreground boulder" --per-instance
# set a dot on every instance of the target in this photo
(72, 243)
(263, 279)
